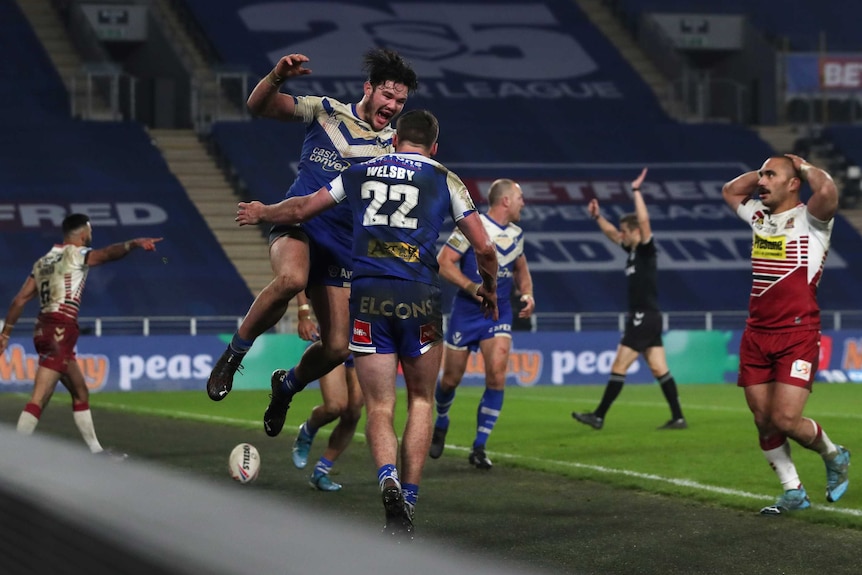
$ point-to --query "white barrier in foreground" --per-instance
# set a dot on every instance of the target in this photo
(66, 511)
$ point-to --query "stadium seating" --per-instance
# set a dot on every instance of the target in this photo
(802, 23)
(582, 135)
(52, 165)
(30, 87)
(113, 172)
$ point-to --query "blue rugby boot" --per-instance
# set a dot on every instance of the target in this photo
(836, 475)
(790, 500)
(322, 482)
(301, 447)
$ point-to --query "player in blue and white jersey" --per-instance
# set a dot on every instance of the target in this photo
(399, 203)
(469, 329)
(317, 254)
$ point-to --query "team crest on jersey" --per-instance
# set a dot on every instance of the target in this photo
(759, 218)
(790, 223)
(769, 248)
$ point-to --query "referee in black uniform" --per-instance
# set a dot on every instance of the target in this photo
(643, 324)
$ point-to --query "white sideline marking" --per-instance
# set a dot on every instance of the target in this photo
(671, 480)
(572, 464)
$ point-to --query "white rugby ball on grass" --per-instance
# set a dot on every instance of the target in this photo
(244, 463)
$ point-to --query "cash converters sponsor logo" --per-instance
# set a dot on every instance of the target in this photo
(330, 160)
(400, 250)
(389, 308)
(17, 366)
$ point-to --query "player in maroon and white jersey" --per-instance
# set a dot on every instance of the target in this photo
(58, 279)
(780, 346)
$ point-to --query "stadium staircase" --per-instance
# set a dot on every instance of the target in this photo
(49, 28)
(213, 195)
(603, 18)
(186, 155)
(210, 99)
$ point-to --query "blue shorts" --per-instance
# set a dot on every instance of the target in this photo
(330, 248)
(468, 325)
(391, 315)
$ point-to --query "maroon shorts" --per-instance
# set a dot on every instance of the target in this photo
(55, 343)
(789, 357)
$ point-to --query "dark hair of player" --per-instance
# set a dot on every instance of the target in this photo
(74, 222)
(384, 65)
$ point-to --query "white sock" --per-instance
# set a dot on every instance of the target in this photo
(27, 423)
(84, 421)
(822, 445)
(779, 460)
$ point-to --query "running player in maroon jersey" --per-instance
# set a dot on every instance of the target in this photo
(58, 279)
(780, 346)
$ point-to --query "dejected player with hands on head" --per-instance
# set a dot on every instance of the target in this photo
(780, 347)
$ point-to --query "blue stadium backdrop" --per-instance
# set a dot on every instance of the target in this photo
(531, 91)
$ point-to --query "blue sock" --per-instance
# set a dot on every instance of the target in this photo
(385, 472)
(290, 384)
(411, 493)
(307, 431)
(487, 414)
(240, 346)
(323, 467)
(444, 402)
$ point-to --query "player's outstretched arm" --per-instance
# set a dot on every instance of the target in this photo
(117, 251)
(607, 228)
(26, 293)
(267, 100)
(293, 210)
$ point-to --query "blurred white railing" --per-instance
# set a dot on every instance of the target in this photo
(566, 322)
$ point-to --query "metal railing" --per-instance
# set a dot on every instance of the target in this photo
(541, 322)
(108, 93)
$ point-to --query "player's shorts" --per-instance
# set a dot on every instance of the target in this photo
(349, 363)
(55, 341)
(643, 330)
(790, 357)
(468, 325)
(391, 315)
(330, 250)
